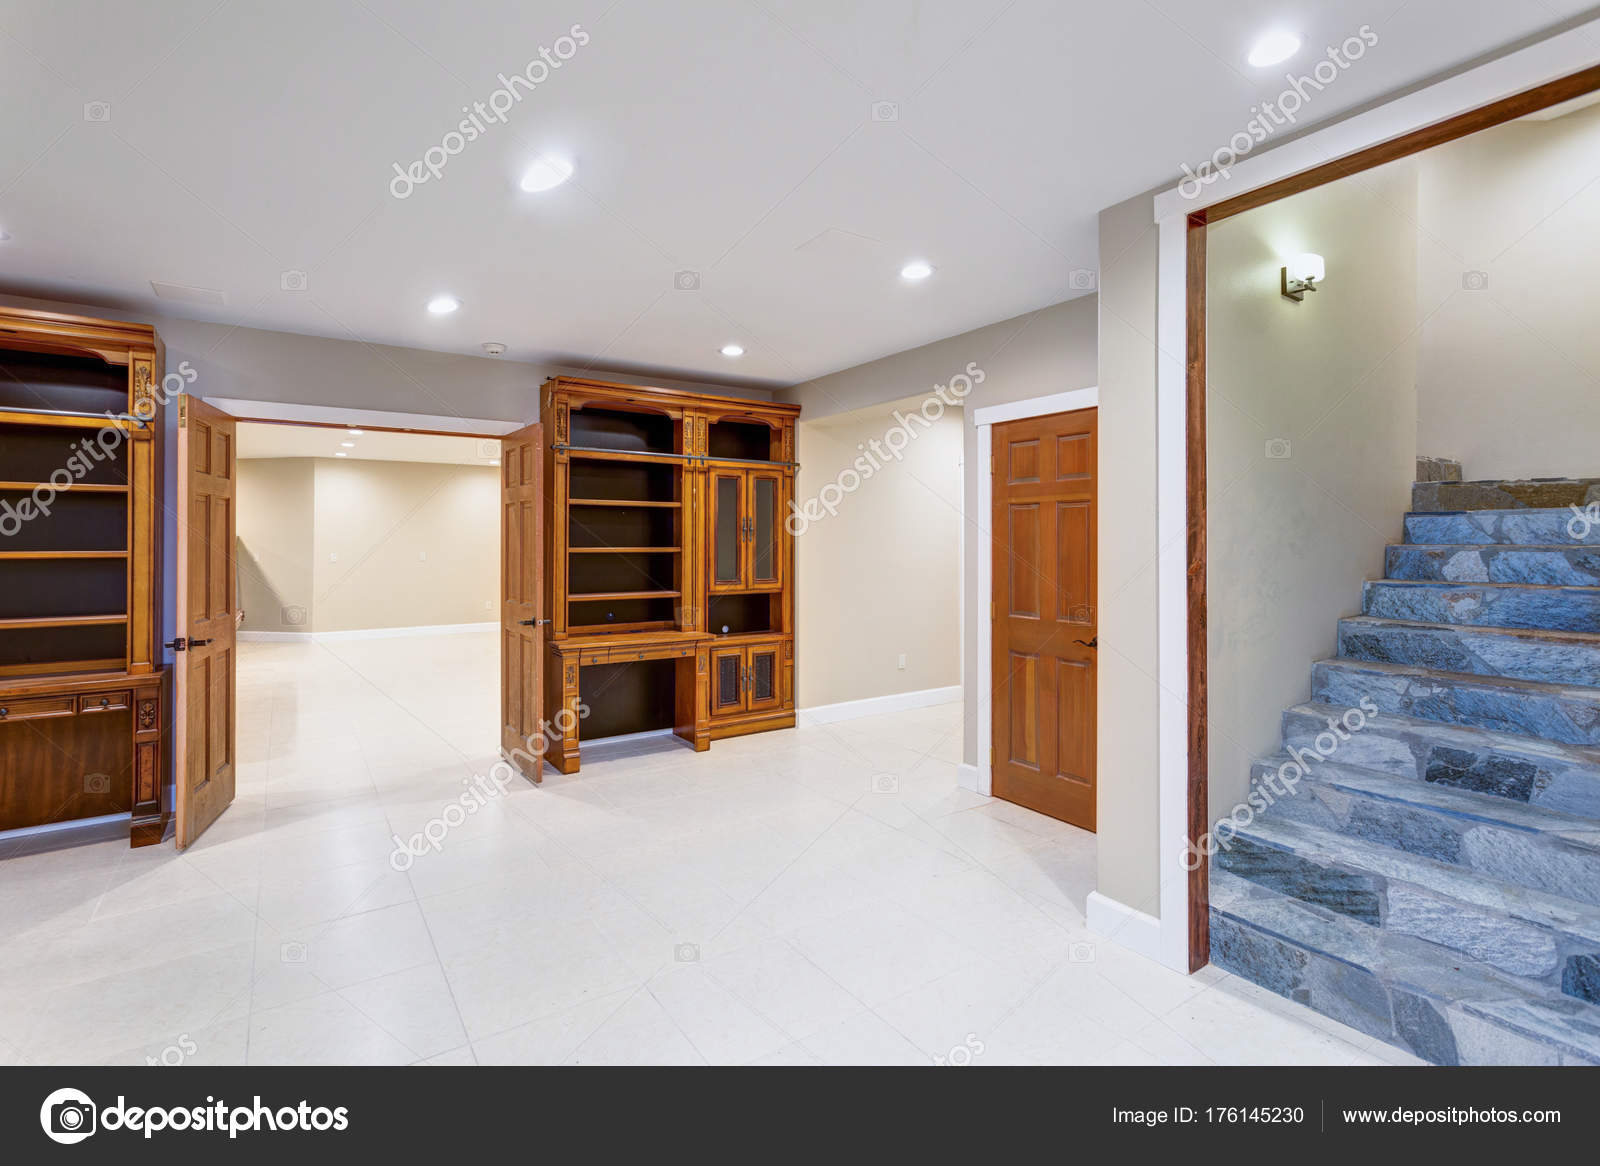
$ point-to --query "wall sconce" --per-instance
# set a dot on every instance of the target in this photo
(1301, 275)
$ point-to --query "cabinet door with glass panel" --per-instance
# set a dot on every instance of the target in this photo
(746, 529)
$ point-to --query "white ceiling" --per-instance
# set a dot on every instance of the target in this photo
(735, 139)
(274, 441)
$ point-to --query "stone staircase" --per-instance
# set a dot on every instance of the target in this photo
(1434, 880)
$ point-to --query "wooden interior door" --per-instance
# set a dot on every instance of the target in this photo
(205, 731)
(522, 615)
(1045, 619)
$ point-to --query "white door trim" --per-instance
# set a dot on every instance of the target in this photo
(1514, 73)
(359, 418)
(978, 778)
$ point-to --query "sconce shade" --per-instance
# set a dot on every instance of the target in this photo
(1307, 267)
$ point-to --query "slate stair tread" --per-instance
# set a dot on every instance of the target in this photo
(1528, 1009)
(1567, 916)
(1466, 736)
(1466, 679)
(1424, 583)
(1379, 623)
(1483, 808)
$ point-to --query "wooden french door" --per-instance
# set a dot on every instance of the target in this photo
(1045, 619)
(522, 615)
(205, 648)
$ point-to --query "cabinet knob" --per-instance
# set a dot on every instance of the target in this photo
(3, 712)
(105, 701)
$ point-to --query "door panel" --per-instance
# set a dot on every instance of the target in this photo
(522, 616)
(727, 531)
(727, 681)
(205, 733)
(761, 684)
(763, 504)
(1045, 618)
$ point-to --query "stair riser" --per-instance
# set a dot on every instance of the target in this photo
(1518, 947)
(1525, 858)
(1535, 775)
(1531, 528)
(1573, 717)
(1573, 566)
(1429, 1028)
(1554, 609)
(1465, 649)
(1433, 497)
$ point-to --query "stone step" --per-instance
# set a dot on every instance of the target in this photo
(1525, 654)
(1561, 565)
(1438, 469)
(1499, 605)
(1565, 778)
(1517, 930)
(1528, 494)
(1511, 841)
(1453, 1012)
(1558, 527)
(1566, 713)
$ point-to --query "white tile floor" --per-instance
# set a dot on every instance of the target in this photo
(823, 895)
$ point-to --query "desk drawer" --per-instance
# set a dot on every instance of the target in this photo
(104, 702)
(30, 708)
(674, 652)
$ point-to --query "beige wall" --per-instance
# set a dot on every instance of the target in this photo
(417, 543)
(1311, 418)
(881, 577)
(1509, 378)
(1128, 794)
(275, 503)
(1044, 352)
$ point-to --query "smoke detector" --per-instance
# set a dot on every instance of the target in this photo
(493, 347)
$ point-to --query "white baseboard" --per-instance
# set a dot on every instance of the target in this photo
(975, 778)
(1124, 925)
(443, 629)
(873, 706)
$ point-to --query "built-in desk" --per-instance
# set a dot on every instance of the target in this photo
(692, 714)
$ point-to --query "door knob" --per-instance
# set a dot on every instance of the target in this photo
(1094, 643)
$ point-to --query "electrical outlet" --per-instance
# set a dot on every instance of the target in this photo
(422, 556)
(902, 661)
(488, 605)
(333, 556)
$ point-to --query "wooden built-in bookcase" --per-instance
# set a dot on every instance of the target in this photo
(81, 677)
(669, 569)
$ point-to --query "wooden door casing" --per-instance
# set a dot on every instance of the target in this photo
(1045, 614)
(206, 734)
(522, 615)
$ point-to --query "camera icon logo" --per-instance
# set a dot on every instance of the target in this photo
(293, 952)
(1083, 279)
(96, 783)
(97, 111)
(885, 111)
(686, 280)
(1279, 448)
(1081, 952)
(68, 1116)
(885, 783)
(1474, 280)
(294, 615)
(293, 281)
(686, 953)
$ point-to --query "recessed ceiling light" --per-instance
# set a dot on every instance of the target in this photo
(732, 350)
(354, 432)
(916, 269)
(348, 444)
(1274, 48)
(546, 173)
(341, 453)
(443, 305)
